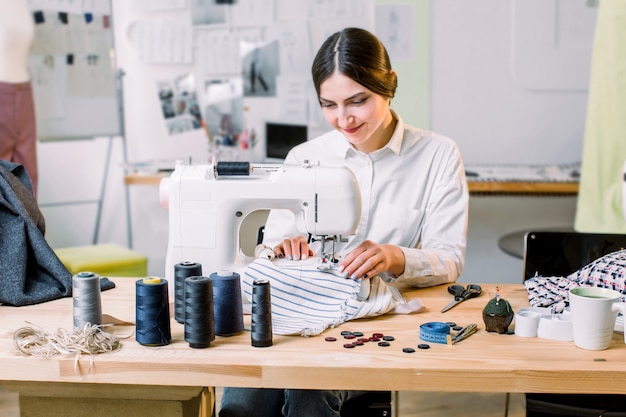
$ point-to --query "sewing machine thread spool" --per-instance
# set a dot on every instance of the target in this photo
(182, 271)
(261, 329)
(86, 300)
(233, 168)
(227, 303)
(199, 316)
(152, 312)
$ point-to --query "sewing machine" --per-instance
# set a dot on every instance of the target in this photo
(208, 203)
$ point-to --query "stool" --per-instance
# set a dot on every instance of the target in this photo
(107, 260)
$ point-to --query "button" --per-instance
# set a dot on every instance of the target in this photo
(389, 338)
(408, 350)
(330, 339)
(348, 345)
(423, 346)
(384, 344)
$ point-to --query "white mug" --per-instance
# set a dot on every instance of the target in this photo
(594, 310)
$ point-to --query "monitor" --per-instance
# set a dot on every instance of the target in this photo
(281, 137)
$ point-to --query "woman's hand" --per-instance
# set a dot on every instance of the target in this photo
(294, 248)
(369, 259)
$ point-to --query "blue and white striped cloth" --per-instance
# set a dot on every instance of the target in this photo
(306, 301)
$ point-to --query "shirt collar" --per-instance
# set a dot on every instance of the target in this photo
(394, 144)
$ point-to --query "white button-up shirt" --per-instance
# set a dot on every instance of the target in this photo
(414, 195)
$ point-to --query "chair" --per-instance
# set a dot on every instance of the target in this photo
(550, 253)
(107, 260)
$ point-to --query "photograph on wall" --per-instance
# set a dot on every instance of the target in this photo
(223, 111)
(260, 66)
(179, 104)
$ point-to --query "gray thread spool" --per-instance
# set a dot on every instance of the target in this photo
(86, 299)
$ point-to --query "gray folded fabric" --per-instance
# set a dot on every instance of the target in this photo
(30, 271)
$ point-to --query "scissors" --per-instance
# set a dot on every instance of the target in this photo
(461, 294)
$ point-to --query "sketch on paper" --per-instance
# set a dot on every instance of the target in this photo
(260, 67)
(395, 28)
(179, 104)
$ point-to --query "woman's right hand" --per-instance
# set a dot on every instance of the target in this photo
(294, 248)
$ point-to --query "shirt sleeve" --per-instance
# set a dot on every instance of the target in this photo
(440, 255)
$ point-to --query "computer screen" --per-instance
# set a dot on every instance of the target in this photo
(281, 137)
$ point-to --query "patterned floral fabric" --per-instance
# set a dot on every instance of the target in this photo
(608, 271)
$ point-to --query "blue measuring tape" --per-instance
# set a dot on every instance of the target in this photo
(435, 332)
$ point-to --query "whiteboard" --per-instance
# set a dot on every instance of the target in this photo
(73, 74)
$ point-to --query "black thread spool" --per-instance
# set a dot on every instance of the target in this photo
(152, 312)
(199, 317)
(182, 271)
(86, 300)
(227, 303)
(261, 329)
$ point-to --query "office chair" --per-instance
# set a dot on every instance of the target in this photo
(548, 253)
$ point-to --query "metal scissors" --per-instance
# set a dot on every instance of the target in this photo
(461, 294)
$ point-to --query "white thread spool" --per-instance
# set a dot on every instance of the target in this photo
(86, 299)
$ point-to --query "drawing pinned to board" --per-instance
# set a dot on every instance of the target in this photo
(162, 42)
(223, 111)
(179, 104)
(294, 51)
(260, 67)
(395, 28)
(207, 12)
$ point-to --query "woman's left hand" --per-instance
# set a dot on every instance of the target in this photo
(370, 258)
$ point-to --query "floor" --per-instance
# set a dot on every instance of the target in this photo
(411, 404)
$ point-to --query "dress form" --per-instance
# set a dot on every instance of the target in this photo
(17, 30)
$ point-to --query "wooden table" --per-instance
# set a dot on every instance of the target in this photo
(486, 362)
(475, 187)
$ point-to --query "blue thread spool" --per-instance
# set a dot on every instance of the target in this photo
(152, 312)
(227, 303)
(199, 316)
(86, 301)
(182, 271)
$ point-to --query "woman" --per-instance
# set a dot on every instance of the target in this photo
(413, 194)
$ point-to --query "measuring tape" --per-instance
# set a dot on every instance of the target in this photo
(435, 332)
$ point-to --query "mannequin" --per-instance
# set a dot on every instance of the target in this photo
(17, 111)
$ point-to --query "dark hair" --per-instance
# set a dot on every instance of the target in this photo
(359, 55)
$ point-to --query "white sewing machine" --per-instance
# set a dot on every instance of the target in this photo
(208, 203)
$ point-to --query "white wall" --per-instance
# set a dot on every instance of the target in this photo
(481, 100)
(474, 99)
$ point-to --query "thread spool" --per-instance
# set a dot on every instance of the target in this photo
(227, 303)
(87, 303)
(182, 271)
(261, 329)
(152, 312)
(199, 316)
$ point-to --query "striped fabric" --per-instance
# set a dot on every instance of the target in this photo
(306, 301)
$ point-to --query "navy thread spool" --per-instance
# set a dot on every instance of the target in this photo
(152, 312)
(199, 317)
(261, 329)
(227, 305)
(182, 271)
(86, 300)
